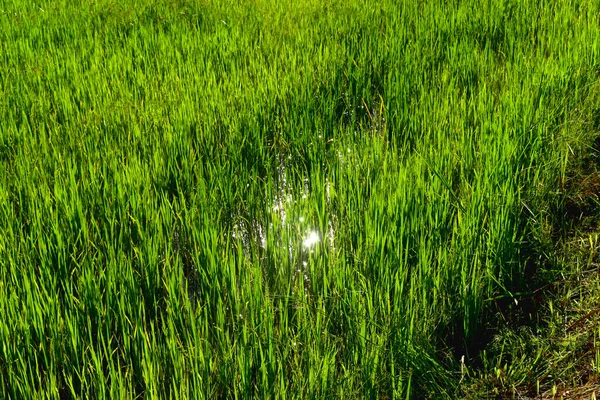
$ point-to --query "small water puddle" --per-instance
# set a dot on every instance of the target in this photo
(301, 239)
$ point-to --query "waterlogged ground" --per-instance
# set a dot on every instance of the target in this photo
(290, 229)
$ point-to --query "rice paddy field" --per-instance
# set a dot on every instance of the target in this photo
(278, 199)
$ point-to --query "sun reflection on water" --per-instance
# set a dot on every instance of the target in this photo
(311, 239)
(288, 229)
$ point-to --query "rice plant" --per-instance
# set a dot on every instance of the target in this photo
(273, 199)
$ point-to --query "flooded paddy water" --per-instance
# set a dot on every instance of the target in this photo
(286, 227)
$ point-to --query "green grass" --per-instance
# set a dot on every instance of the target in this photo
(157, 158)
(550, 347)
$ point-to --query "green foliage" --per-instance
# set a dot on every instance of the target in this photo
(164, 165)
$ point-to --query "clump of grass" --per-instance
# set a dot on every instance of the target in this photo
(550, 350)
